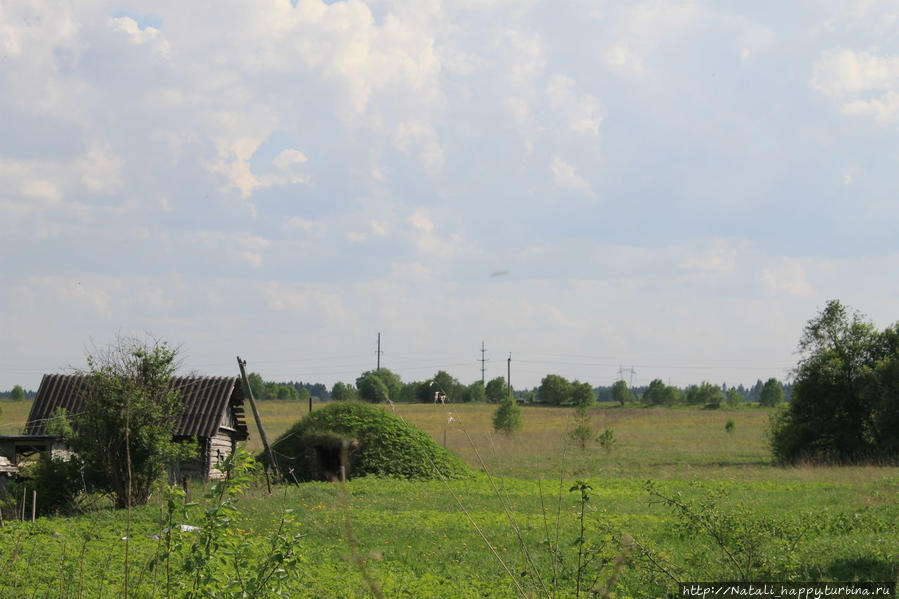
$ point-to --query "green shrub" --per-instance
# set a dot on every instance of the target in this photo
(507, 418)
(607, 439)
(384, 445)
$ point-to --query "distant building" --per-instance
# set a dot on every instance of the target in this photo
(213, 413)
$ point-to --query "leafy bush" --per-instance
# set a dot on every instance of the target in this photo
(387, 445)
(62, 486)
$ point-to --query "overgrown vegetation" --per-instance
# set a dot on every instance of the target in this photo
(128, 415)
(386, 446)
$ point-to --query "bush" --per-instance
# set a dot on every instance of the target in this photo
(62, 486)
(607, 439)
(385, 445)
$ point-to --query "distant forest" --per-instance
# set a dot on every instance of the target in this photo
(320, 392)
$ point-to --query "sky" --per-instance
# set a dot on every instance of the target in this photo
(671, 189)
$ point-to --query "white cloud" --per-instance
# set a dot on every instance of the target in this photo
(139, 233)
(289, 158)
(580, 113)
(421, 221)
(789, 276)
(147, 35)
(44, 190)
(566, 177)
(718, 259)
(641, 29)
(866, 84)
(306, 226)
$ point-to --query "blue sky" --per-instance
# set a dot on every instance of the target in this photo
(673, 186)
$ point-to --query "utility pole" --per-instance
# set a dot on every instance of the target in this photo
(249, 393)
(509, 375)
(379, 352)
(482, 363)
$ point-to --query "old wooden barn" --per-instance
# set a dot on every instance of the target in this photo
(213, 414)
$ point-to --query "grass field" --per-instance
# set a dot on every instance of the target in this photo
(411, 539)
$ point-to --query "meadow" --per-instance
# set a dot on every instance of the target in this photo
(716, 509)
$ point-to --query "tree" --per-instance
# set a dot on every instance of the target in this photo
(393, 386)
(554, 390)
(584, 398)
(705, 394)
(733, 397)
(507, 417)
(620, 392)
(496, 390)
(446, 383)
(582, 394)
(303, 394)
(772, 393)
(660, 394)
(257, 385)
(288, 392)
(371, 388)
(845, 397)
(128, 416)
(342, 392)
(17, 393)
(475, 392)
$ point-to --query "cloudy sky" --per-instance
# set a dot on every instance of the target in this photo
(671, 186)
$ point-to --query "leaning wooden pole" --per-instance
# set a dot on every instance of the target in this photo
(249, 393)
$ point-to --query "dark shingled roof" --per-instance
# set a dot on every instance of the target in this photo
(205, 400)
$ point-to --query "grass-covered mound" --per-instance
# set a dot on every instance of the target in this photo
(373, 441)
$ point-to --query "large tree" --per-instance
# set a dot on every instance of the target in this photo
(705, 394)
(582, 395)
(17, 393)
(660, 394)
(496, 390)
(475, 392)
(554, 390)
(845, 398)
(128, 416)
(342, 392)
(389, 385)
(620, 392)
(772, 393)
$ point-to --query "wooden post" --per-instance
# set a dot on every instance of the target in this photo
(33, 504)
(342, 473)
(23, 505)
(310, 403)
(249, 393)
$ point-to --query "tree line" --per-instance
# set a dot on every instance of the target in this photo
(380, 385)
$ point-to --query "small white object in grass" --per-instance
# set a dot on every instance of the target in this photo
(449, 417)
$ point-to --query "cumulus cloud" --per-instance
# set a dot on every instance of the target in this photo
(865, 83)
(580, 113)
(566, 177)
(641, 29)
(718, 259)
(788, 276)
(147, 35)
(288, 158)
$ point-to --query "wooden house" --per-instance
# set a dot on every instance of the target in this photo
(213, 414)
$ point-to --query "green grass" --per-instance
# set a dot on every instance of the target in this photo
(416, 542)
